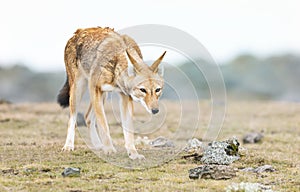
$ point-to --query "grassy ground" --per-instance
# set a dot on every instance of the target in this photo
(32, 135)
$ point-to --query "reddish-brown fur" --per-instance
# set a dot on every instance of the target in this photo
(97, 57)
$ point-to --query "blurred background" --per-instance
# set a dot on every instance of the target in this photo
(255, 43)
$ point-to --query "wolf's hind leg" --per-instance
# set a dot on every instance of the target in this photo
(76, 92)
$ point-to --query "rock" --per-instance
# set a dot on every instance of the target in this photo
(80, 120)
(248, 187)
(194, 150)
(243, 151)
(193, 145)
(233, 147)
(10, 171)
(221, 153)
(195, 157)
(30, 170)
(252, 138)
(264, 168)
(71, 172)
(161, 142)
(142, 141)
(216, 172)
(45, 170)
(248, 169)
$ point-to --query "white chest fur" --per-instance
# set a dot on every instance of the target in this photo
(109, 88)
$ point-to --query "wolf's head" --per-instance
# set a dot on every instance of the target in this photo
(147, 82)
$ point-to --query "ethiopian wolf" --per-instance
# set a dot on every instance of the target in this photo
(98, 58)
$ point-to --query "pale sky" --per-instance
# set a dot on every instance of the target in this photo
(35, 32)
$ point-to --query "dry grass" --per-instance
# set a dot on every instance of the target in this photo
(31, 137)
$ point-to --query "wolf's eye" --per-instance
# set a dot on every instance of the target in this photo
(143, 90)
(157, 90)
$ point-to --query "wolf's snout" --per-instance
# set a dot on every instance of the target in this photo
(155, 110)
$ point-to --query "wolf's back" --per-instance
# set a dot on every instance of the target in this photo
(83, 39)
(83, 46)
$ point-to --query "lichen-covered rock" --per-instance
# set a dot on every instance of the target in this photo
(248, 187)
(216, 172)
(142, 141)
(71, 172)
(194, 150)
(193, 145)
(264, 168)
(221, 152)
(161, 142)
(252, 138)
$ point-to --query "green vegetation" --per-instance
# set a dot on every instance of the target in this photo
(32, 135)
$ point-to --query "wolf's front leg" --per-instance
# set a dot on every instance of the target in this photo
(102, 125)
(126, 109)
(91, 124)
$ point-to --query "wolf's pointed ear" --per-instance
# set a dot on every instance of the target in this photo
(154, 66)
(161, 70)
(131, 71)
(134, 62)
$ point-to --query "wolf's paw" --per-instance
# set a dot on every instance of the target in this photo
(68, 148)
(109, 150)
(137, 156)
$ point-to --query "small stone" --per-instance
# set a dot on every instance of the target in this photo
(142, 141)
(216, 172)
(243, 151)
(30, 170)
(161, 142)
(45, 170)
(252, 138)
(80, 120)
(248, 187)
(193, 145)
(248, 169)
(10, 171)
(194, 150)
(264, 168)
(71, 172)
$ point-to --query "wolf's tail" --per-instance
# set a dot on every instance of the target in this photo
(64, 95)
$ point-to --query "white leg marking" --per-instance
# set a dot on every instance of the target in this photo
(127, 125)
(79, 91)
(107, 87)
(69, 145)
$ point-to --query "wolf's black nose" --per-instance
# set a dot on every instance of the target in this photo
(154, 111)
